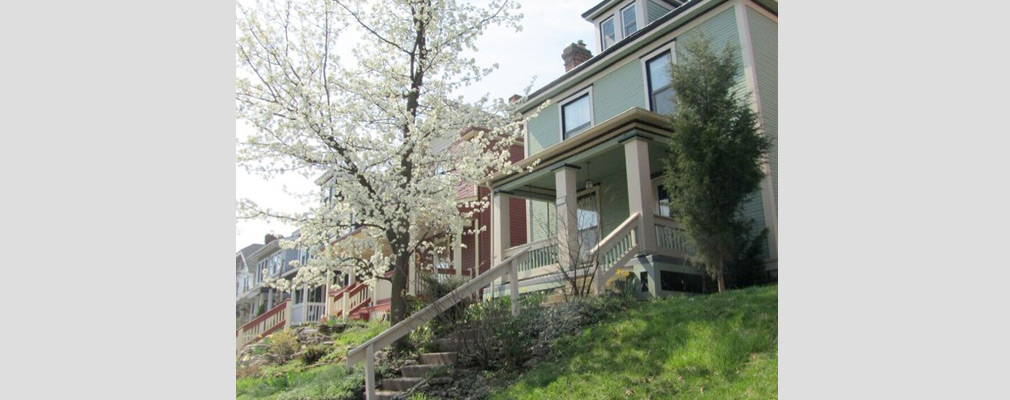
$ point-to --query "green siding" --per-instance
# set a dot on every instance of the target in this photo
(764, 36)
(613, 195)
(618, 91)
(544, 130)
(655, 11)
(542, 220)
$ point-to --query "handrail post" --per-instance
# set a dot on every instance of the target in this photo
(343, 299)
(514, 286)
(287, 314)
(370, 372)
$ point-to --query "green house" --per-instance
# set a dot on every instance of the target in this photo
(592, 157)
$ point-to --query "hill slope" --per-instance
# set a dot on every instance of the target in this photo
(722, 345)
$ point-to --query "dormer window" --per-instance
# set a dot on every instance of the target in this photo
(607, 32)
(628, 19)
(621, 23)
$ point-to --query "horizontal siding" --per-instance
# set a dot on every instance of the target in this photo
(764, 36)
(618, 91)
(655, 10)
(543, 130)
(542, 220)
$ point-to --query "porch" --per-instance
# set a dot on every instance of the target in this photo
(596, 200)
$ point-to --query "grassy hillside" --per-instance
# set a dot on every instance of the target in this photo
(713, 346)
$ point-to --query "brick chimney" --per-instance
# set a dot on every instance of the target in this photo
(269, 238)
(575, 54)
(514, 99)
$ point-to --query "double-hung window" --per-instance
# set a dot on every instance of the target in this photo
(576, 116)
(608, 33)
(628, 20)
(660, 89)
(618, 25)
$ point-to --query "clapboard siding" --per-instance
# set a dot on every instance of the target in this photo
(544, 131)
(618, 91)
(655, 10)
(764, 36)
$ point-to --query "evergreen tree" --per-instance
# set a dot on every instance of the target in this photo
(714, 156)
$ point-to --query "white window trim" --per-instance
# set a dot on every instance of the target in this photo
(671, 47)
(569, 99)
(624, 23)
(615, 13)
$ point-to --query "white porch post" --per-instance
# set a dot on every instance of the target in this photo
(567, 204)
(457, 251)
(412, 275)
(500, 233)
(640, 196)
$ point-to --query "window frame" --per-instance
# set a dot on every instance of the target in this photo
(568, 100)
(624, 23)
(669, 47)
(603, 44)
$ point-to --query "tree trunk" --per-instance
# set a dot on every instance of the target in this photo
(398, 305)
(720, 278)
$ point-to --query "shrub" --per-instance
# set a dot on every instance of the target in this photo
(281, 346)
(313, 353)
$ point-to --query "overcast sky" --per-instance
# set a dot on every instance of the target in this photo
(548, 26)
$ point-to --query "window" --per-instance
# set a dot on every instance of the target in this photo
(607, 32)
(660, 89)
(587, 217)
(628, 20)
(576, 116)
(662, 201)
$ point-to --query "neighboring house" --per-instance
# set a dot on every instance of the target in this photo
(245, 279)
(600, 143)
(464, 253)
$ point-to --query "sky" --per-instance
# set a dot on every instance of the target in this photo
(548, 27)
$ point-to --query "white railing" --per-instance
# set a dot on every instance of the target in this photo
(541, 254)
(366, 351)
(670, 238)
(307, 313)
(254, 330)
(616, 249)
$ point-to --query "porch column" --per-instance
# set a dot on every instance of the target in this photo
(567, 205)
(457, 250)
(500, 232)
(640, 196)
(412, 275)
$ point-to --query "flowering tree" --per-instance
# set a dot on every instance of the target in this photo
(376, 117)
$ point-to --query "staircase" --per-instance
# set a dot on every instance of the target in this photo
(414, 374)
(265, 324)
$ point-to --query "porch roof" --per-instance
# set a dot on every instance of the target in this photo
(601, 142)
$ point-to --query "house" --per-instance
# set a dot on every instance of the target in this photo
(596, 187)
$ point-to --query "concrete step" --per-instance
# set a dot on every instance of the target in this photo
(447, 345)
(387, 395)
(445, 358)
(399, 384)
(419, 371)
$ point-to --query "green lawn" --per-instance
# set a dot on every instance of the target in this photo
(331, 380)
(712, 346)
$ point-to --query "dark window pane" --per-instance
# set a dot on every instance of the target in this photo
(628, 19)
(607, 33)
(576, 116)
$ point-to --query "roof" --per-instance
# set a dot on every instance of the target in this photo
(601, 6)
(530, 103)
(249, 250)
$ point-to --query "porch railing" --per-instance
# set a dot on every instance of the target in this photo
(366, 351)
(348, 299)
(540, 254)
(307, 312)
(616, 249)
(670, 238)
(272, 320)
